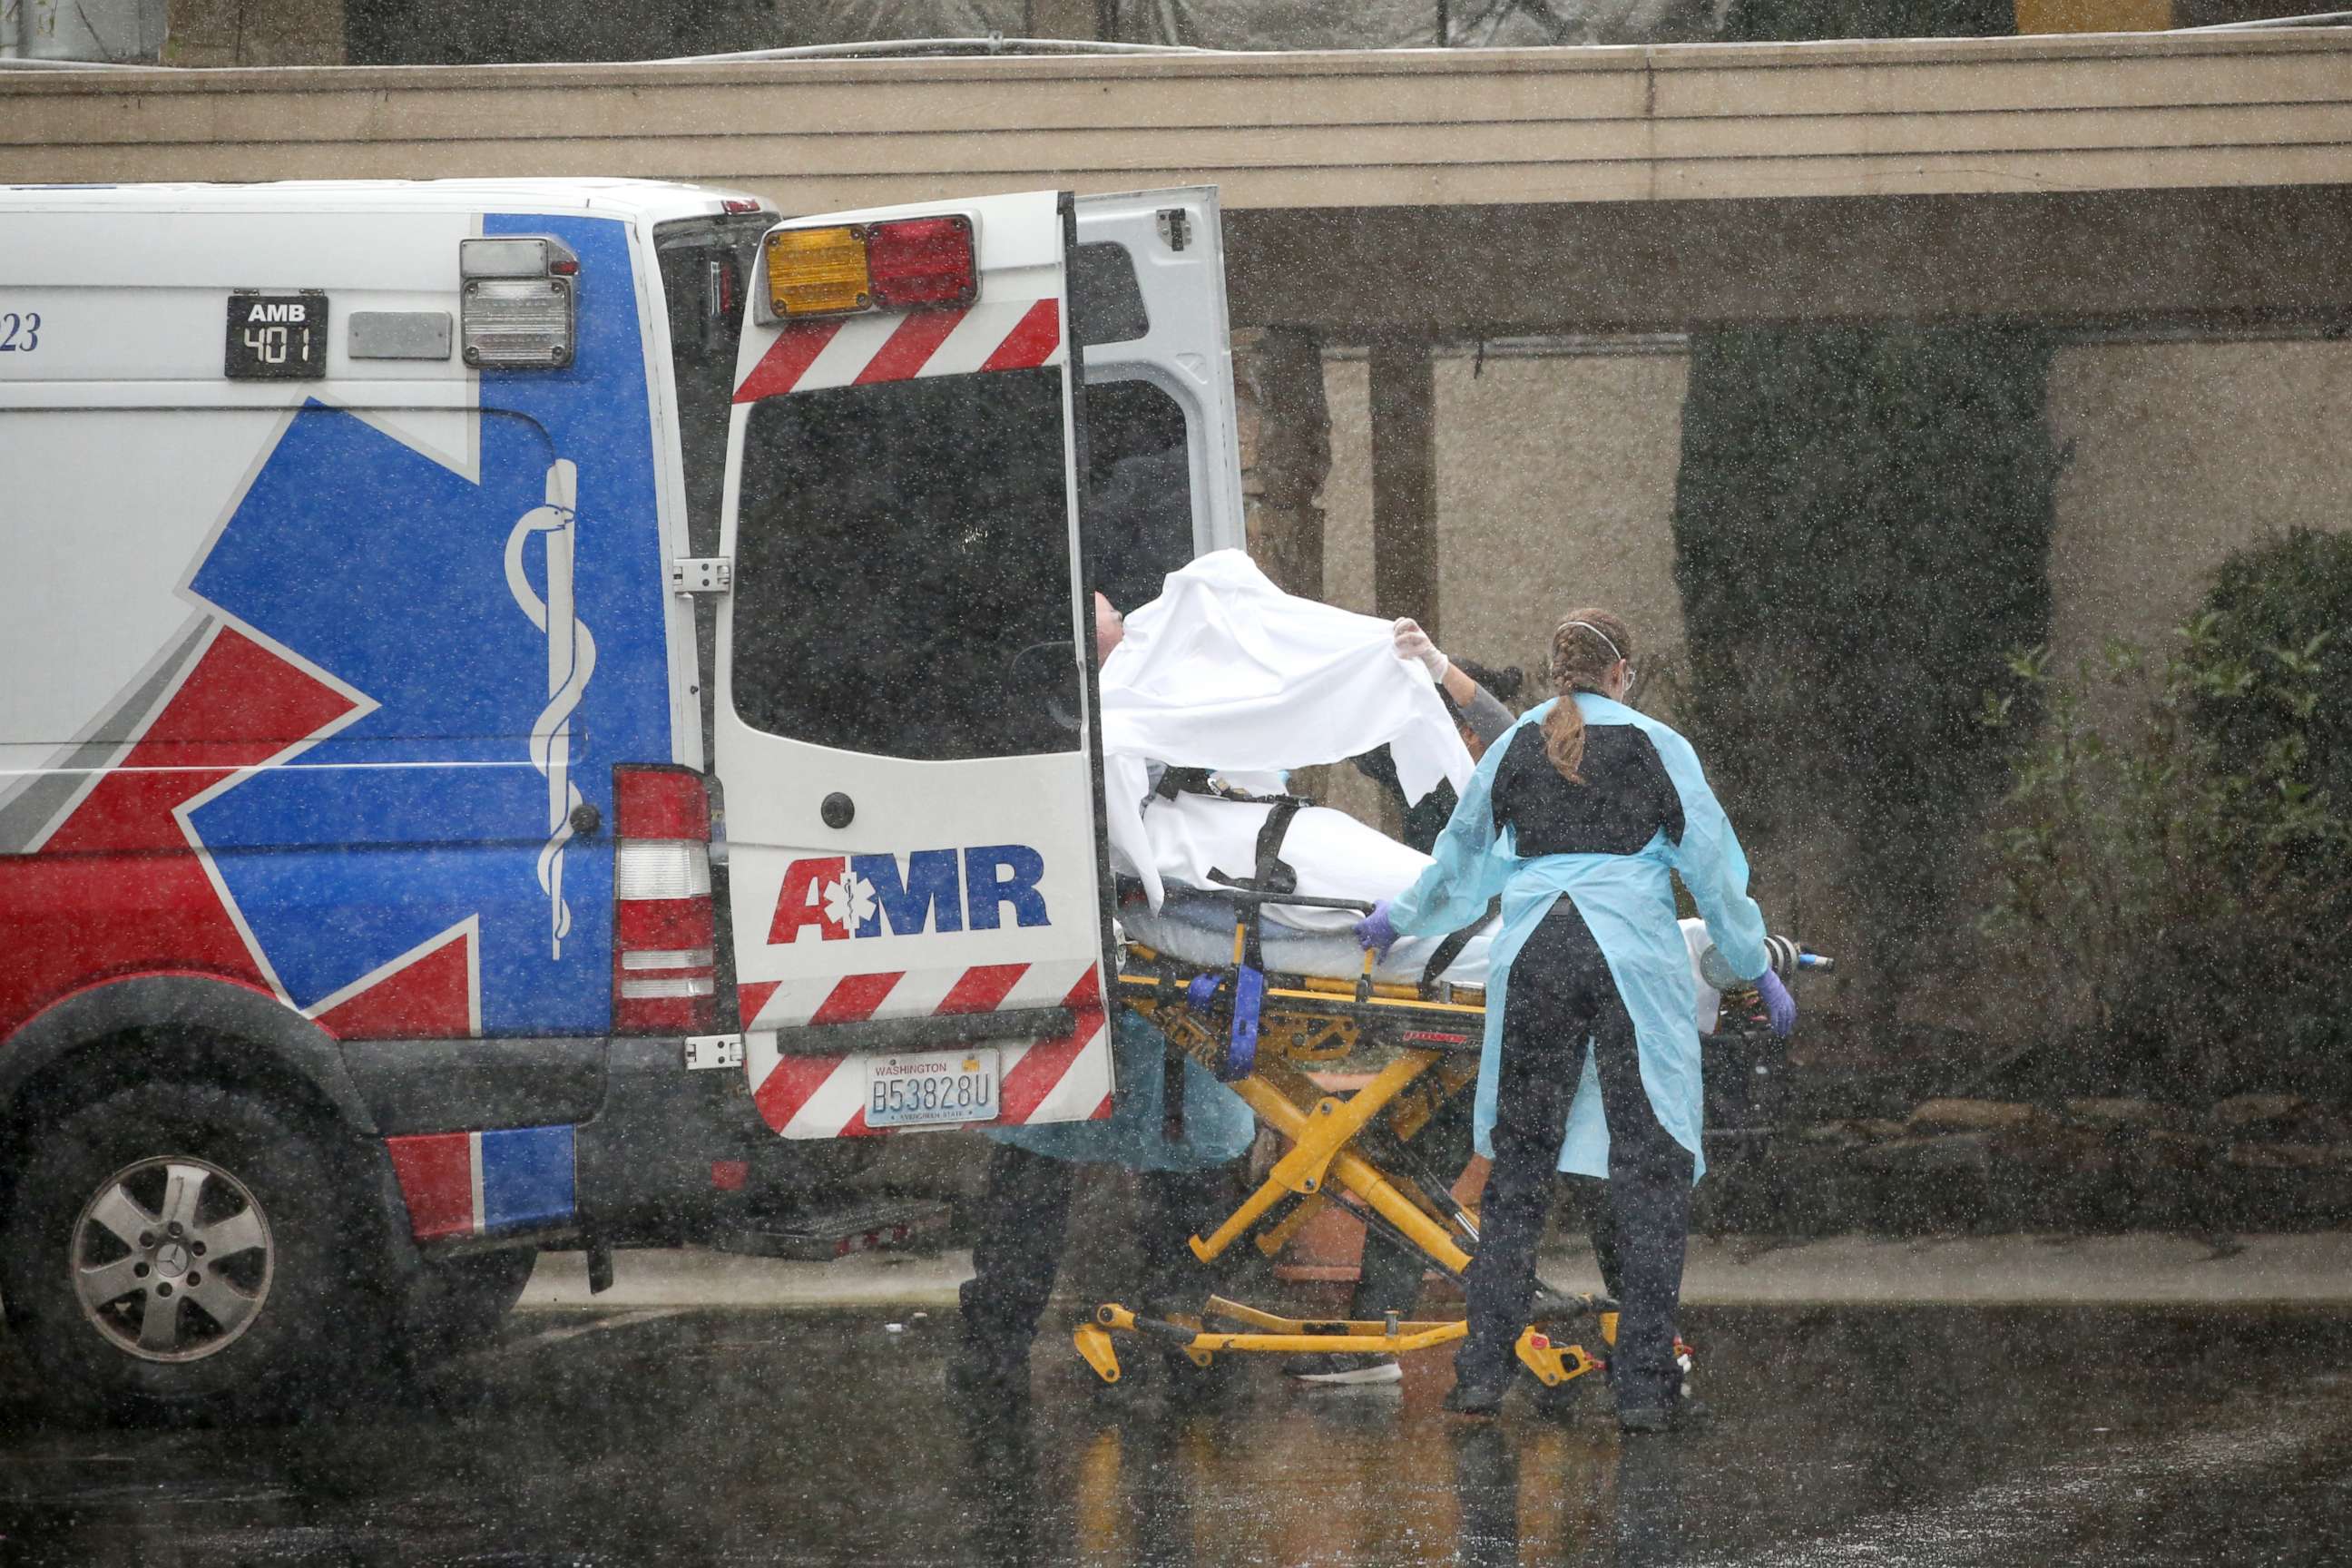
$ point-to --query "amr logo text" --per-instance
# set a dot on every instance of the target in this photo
(925, 892)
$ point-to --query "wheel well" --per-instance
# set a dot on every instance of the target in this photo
(108, 1063)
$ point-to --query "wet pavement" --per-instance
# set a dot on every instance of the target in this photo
(659, 1435)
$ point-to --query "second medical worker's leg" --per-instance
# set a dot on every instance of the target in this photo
(1025, 1213)
(1546, 1017)
(1391, 1276)
(1174, 1206)
(1649, 1199)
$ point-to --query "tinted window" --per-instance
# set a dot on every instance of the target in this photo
(704, 263)
(1105, 299)
(899, 549)
(1139, 490)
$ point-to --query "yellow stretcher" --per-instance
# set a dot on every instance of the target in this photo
(1357, 1150)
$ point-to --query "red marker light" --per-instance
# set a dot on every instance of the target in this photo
(738, 205)
(921, 261)
(563, 267)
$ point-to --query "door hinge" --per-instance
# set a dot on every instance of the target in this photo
(701, 575)
(704, 1052)
(1175, 228)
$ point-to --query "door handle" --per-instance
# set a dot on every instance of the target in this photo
(837, 809)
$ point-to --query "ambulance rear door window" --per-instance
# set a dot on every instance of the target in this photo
(902, 568)
(1138, 519)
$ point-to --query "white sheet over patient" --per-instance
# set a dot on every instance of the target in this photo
(1226, 671)
(1334, 856)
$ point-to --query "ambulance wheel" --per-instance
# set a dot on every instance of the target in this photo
(180, 1251)
(463, 1299)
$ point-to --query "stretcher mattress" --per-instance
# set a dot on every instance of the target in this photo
(1198, 928)
(1200, 840)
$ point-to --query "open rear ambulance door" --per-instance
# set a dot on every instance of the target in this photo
(1148, 298)
(901, 733)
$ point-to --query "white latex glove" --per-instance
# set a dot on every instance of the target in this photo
(1413, 644)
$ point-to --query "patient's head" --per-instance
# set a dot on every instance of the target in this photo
(1110, 629)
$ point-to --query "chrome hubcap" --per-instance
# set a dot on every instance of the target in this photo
(172, 1258)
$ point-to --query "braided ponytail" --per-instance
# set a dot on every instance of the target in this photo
(1583, 650)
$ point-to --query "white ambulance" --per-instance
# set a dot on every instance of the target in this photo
(521, 700)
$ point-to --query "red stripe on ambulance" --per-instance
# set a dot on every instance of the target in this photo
(1028, 1081)
(909, 348)
(1032, 342)
(435, 1171)
(855, 999)
(983, 989)
(792, 1084)
(780, 368)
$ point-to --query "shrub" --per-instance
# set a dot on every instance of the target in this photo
(2185, 897)
(2294, 592)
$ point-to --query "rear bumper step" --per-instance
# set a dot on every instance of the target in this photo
(823, 1232)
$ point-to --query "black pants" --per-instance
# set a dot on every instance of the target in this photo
(1560, 997)
(1023, 1227)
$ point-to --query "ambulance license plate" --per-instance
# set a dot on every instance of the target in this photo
(926, 1088)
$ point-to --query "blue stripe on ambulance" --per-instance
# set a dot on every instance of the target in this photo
(527, 1177)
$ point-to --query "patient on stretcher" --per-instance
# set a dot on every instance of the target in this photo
(1225, 672)
(1194, 836)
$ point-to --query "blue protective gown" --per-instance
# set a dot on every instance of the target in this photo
(1218, 1126)
(1628, 902)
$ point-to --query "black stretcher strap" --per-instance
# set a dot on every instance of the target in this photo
(1451, 948)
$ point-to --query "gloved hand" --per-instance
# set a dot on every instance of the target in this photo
(1412, 643)
(1375, 931)
(1779, 1007)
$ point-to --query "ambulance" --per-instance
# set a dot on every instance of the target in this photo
(529, 711)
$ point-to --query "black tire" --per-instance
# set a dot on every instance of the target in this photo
(462, 1299)
(305, 1301)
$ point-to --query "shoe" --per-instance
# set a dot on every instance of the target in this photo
(1344, 1369)
(1681, 1414)
(1475, 1398)
(1576, 1399)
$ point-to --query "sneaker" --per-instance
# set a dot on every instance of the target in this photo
(1475, 1399)
(1347, 1368)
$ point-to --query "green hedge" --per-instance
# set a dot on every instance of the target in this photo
(2277, 605)
(1861, 528)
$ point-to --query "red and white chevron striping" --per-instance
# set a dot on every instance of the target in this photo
(1066, 1078)
(860, 350)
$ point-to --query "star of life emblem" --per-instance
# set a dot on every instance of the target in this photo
(849, 902)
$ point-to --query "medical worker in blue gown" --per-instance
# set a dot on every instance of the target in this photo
(1575, 818)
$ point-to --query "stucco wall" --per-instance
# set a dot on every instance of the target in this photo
(2180, 454)
(1556, 481)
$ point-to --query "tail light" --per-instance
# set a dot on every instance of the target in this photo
(665, 956)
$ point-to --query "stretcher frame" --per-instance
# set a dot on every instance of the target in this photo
(1355, 1149)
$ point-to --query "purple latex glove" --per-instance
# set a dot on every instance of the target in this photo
(1375, 931)
(1779, 1007)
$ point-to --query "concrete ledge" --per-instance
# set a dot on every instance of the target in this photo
(1368, 129)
